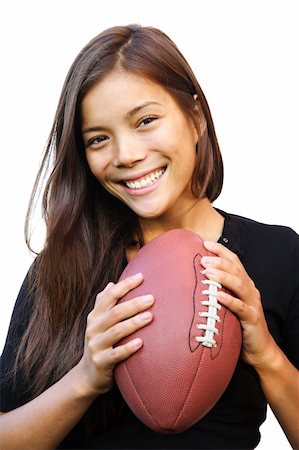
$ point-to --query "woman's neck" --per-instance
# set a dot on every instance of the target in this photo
(201, 218)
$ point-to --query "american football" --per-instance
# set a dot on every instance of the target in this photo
(190, 349)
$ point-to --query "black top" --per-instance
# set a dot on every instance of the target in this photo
(270, 255)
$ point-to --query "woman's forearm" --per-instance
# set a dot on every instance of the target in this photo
(45, 421)
(280, 383)
(279, 378)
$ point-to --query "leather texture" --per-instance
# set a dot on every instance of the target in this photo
(173, 380)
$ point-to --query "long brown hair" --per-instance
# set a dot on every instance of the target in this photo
(88, 230)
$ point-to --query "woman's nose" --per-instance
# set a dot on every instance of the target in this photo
(128, 153)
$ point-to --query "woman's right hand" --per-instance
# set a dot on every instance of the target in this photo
(107, 324)
(63, 404)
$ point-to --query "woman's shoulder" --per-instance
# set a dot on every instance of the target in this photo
(259, 225)
(258, 243)
(264, 233)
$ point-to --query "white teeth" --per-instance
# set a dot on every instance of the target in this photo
(146, 181)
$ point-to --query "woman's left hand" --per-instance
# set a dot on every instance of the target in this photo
(278, 377)
(227, 269)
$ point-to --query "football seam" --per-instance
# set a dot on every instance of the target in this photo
(188, 395)
(214, 352)
(193, 348)
(139, 399)
(193, 382)
(194, 305)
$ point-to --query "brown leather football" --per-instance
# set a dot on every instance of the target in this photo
(191, 347)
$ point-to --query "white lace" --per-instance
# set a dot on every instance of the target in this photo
(211, 314)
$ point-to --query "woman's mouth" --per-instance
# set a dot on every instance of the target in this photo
(145, 181)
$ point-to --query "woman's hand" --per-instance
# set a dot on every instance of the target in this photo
(278, 377)
(227, 269)
(62, 405)
(107, 324)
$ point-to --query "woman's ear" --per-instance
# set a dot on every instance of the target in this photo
(199, 117)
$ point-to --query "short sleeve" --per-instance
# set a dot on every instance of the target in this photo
(13, 389)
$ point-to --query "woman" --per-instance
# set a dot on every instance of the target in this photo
(135, 154)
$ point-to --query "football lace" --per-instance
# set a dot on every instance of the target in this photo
(211, 315)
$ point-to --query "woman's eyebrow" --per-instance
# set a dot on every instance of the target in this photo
(138, 108)
(128, 114)
(91, 129)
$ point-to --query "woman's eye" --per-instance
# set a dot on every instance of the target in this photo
(97, 140)
(147, 120)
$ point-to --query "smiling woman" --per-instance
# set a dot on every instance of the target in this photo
(145, 137)
(134, 155)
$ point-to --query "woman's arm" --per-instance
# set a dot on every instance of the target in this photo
(279, 378)
(280, 383)
(45, 421)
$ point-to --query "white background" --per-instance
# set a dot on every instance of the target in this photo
(245, 55)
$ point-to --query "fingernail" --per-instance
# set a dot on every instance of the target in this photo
(137, 276)
(210, 271)
(210, 244)
(148, 299)
(136, 343)
(207, 259)
(145, 316)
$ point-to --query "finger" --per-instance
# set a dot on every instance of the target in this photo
(115, 355)
(234, 304)
(98, 322)
(222, 264)
(116, 333)
(113, 292)
(242, 287)
(219, 250)
(248, 314)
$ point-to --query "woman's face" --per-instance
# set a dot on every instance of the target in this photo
(139, 145)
